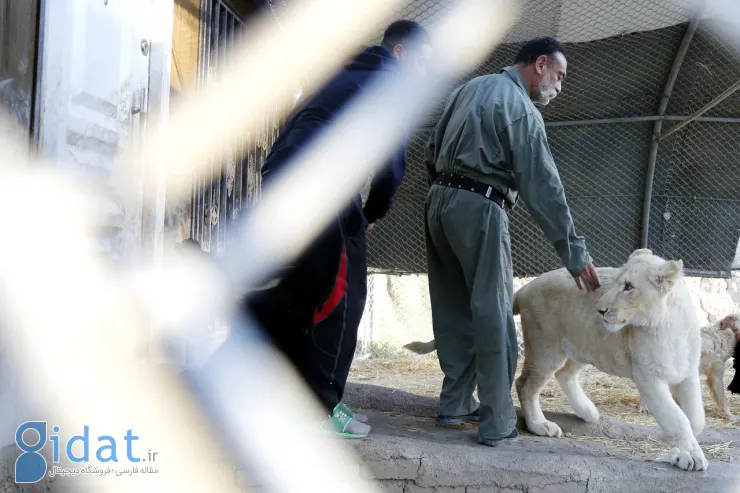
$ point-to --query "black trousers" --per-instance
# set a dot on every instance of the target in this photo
(321, 350)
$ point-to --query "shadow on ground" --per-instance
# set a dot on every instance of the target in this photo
(407, 452)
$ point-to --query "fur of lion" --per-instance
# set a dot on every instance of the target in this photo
(641, 324)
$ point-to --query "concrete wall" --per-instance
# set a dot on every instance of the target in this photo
(398, 309)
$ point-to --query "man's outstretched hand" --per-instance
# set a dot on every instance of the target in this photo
(588, 278)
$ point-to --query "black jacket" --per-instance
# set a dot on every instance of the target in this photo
(308, 282)
(318, 112)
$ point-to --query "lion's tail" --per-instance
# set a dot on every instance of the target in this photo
(419, 347)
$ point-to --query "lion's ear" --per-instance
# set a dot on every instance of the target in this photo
(641, 251)
(666, 275)
(728, 322)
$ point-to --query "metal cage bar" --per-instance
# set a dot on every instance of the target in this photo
(658, 127)
(214, 201)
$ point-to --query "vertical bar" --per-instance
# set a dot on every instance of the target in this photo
(202, 42)
(237, 192)
(202, 50)
(223, 173)
(203, 180)
(658, 127)
(38, 76)
(235, 152)
(194, 209)
(213, 63)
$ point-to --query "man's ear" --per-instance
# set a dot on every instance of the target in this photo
(666, 275)
(540, 64)
(398, 51)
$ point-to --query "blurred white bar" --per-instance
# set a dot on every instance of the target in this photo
(291, 213)
(69, 318)
(325, 177)
(724, 19)
(261, 77)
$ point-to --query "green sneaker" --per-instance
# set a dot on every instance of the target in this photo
(341, 425)
(357, 416)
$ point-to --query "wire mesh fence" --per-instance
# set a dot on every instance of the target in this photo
(600, 130)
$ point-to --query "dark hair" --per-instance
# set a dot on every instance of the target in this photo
(400, 32)
(535, 48)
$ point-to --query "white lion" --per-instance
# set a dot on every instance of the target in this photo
(640, 325)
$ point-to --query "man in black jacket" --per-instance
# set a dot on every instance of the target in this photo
(314, 313)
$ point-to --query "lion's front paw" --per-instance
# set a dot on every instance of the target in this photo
(731, 416)
(546, 429)
(689, 460)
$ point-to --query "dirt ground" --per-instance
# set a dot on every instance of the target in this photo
(614, 397)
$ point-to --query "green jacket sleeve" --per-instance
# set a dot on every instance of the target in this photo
(539, 184)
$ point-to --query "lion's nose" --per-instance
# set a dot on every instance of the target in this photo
(603, 312)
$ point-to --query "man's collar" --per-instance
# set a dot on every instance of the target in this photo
(517, 77)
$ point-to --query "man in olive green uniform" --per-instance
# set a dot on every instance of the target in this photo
(488, 147)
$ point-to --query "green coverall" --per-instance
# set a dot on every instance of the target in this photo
(490, 131)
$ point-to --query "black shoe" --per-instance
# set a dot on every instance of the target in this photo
(473, 417)
(512, 437)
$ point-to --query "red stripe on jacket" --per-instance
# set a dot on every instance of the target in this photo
(340, 289)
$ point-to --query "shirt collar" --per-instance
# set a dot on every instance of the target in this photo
(516, 76)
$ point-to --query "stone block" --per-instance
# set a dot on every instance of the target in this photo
(412, 488)
(391, 486)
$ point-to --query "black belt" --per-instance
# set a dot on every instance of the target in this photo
(465, 183)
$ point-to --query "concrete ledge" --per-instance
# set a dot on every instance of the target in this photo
(408, 455)
(378, 398)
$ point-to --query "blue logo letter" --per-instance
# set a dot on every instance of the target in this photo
(85, 437)
(111, 446)
(130, 438)
(30, 467)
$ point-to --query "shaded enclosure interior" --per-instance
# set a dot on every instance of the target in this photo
(600, 131)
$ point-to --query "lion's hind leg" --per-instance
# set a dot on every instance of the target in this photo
(567, 377)
(542, 358)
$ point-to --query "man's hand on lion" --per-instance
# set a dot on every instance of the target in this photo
(588, 278)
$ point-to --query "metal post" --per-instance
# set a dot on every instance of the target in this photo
(639, 119)
(653, 153)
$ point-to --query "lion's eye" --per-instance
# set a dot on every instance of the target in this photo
(628, 286)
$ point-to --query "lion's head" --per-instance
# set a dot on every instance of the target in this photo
(638, 291)
(731, 323)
